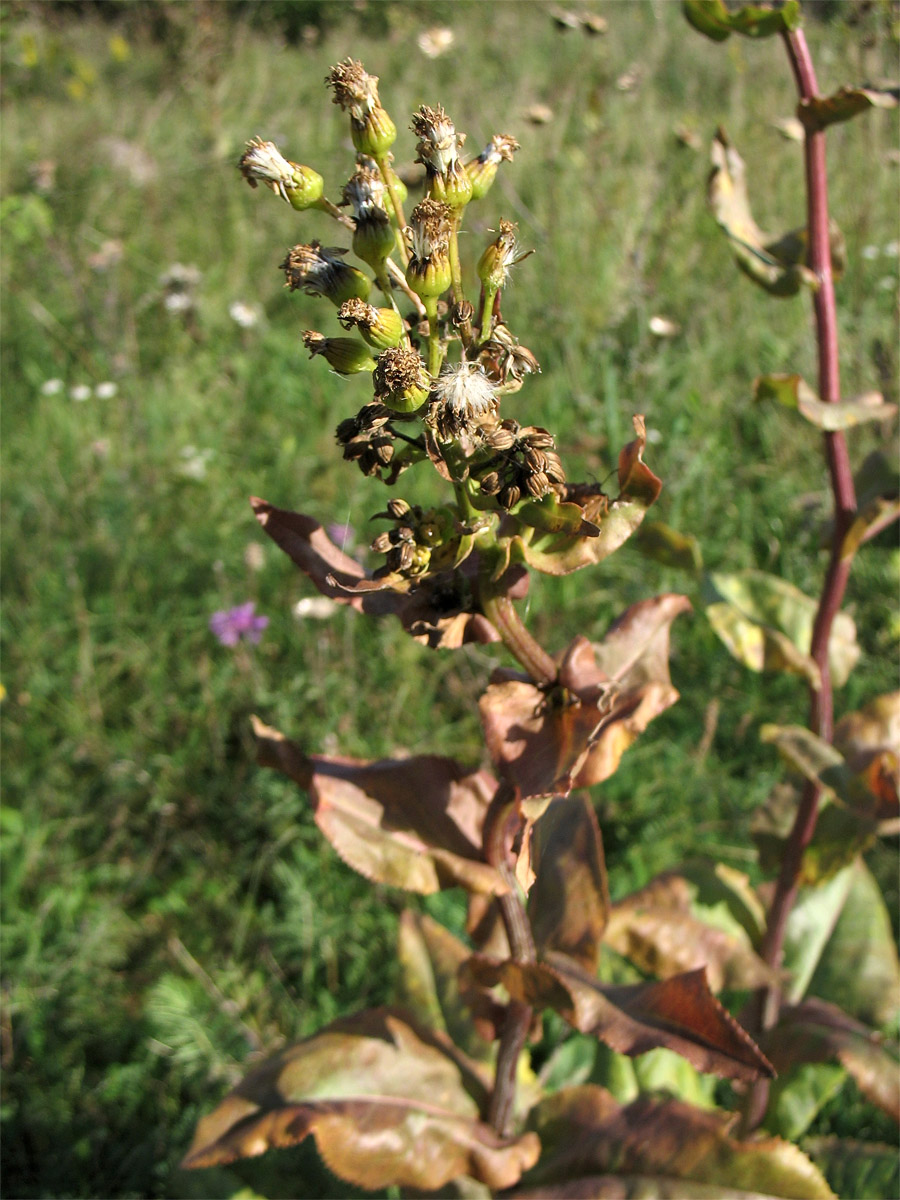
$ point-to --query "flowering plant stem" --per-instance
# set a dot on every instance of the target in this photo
(500, 611)
(821, 718)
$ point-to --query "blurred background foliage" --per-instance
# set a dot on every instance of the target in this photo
(169, 910)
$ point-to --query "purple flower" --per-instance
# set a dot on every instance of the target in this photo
(232, 624)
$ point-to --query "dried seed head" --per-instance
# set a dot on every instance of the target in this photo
(354, 89)
(262, 162)
(400, 379)
(397, 508)
(371, 128)
(500, 255)
(439, 143)
(321, 271)
(428, 233)
(462, 399)
(364, 192)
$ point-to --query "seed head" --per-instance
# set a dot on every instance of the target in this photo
(428, 237)
(500, 255)
(346, 356)
(371, 128)
(401, 381)
(262, 162)
(462, 399)
(321, 271)
(483, 169)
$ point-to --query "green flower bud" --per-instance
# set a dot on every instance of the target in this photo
(373, 239)
(346, 356)
(428, 236)
(500, 255)
(401, 381)
(372, 130)
(321, 271)
(381, 328)
(261, 162)
(483, 169)
(438, 148)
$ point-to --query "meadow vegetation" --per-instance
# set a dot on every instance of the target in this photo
(169, 910)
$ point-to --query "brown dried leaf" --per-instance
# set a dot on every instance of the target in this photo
(816, 1031)
(680, 1014)
(845, 103)
(388, 1104)
(569, 902)
(659, 1148)
(546, 744)
(438, 611)
(413, 823)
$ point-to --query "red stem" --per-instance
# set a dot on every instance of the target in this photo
(821, 713)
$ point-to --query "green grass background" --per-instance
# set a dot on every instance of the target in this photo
(170, 910)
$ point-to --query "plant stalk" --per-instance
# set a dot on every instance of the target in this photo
(500, 611)
(821, 709)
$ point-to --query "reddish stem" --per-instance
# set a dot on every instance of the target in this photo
(821, 716)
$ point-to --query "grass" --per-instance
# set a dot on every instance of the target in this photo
(169, 910)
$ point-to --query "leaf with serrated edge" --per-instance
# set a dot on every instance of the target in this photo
(864, 1170)
(585, 1133)
(388, 1104)
(680, 1014)
(569, 902)
(413, 823)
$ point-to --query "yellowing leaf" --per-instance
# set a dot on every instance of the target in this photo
(794, 392)
(389, 1104)
(766, 623)
(847, 102)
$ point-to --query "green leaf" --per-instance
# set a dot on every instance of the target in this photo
(664, 1071)
(658, 541)
(810, 924)
(859, 970)
(794, 392)
(592, 1146)
(845, 103)
(766, 623)
(798, 1096)
(865, 1171)
(714, 19)
(430, 959)
(388, 1104)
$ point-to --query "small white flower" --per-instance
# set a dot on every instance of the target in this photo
(245, 315)
(254, 556)
(891, 250)
(318, 607)
(80, 392)
(106, 390)
(654, 436)
(178, 302)
(52, 387)
(194, 462)
(887, 283)
(436, 41)
(662, 327)
(871, 252)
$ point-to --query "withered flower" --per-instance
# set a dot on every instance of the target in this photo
(321, 271)
(462, 400)
(356, 91)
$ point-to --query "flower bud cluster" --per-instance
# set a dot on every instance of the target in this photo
(440, 364)
(417, 532)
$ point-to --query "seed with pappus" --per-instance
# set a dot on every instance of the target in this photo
(462, 399)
